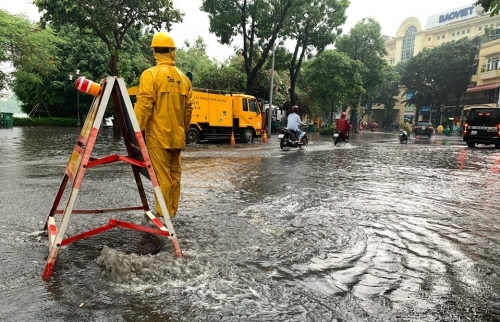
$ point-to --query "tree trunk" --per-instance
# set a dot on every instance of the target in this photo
(293, 97)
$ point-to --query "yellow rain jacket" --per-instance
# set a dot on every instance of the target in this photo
(164, 102)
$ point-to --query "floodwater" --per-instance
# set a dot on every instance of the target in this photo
(371, 231)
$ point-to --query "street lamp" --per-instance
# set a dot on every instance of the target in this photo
(78, 123)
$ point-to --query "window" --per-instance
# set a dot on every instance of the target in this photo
(429, 38)
(245, 105)
(480, 28)
(442, 37)
(492, 63)
(408, 44)
(439, 37)
(463, 32)
(253, 106)
(391, 61)
(468, 31)
(453, 34)
(494, 34)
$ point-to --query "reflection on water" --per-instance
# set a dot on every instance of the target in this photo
(372, 231)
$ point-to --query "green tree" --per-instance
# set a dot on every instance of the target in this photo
(82, 52)
(491, 6)
(30, 50)
(194, 59)
(109, 20)
(365, 43)
(258, 22)
(312, 26)
(387, 93)
(333, 78)
(439, 75)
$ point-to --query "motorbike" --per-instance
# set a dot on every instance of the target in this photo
(403, 137)
(336, 139)
(288, 139)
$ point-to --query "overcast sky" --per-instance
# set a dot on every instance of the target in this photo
(389, 13)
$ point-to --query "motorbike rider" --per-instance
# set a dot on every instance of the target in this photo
(293, 123)
(343, 128)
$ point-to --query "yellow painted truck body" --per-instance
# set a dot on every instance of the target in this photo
(216, 116)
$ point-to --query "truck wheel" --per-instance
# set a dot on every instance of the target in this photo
(193, 136)
(247, 136)
(470, 144)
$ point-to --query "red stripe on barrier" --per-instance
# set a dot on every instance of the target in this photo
(86, 157)
(52, 230)
(149, 230)
(47, 273)
(157, 222)
(87, 88)
(147, 159)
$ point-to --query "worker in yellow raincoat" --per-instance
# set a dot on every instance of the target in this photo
(163, 109)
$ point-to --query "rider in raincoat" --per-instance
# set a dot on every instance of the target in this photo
(163, 110)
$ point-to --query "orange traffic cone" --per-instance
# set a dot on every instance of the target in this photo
(232, 139)
(264, 137)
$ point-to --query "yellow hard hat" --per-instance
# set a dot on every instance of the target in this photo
(162, 39)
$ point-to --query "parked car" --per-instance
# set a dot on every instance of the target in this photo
(423, 128)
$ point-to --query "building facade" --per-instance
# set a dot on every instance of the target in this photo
(411, 38)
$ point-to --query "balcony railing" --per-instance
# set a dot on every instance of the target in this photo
(490, 74)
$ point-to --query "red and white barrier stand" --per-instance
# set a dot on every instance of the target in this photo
(81, 160)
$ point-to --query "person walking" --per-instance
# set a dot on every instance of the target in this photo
(163, 109)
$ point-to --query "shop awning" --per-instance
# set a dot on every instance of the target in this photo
(482, 87)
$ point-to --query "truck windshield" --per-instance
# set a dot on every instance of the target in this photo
(487, 117)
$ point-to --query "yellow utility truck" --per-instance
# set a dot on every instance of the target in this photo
(217, 115)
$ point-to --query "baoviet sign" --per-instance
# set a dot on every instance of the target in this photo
(450, 16)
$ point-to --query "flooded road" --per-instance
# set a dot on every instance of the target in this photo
(371, 231)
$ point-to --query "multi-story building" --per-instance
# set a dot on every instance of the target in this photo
(465, 21)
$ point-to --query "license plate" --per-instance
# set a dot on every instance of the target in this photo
(281, 136)
(473, 132)
(335, 135)
(423, 127)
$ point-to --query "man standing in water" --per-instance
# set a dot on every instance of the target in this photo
(163, 110)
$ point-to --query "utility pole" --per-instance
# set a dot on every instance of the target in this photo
(270, 97)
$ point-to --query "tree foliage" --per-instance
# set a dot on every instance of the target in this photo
(312, 25)
(109, 20)
(364, 43)
(333, 78)
(258, 22)
(440, 75)
(491, 6)
(30, 50)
